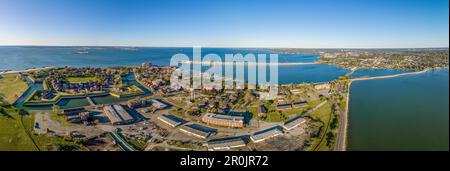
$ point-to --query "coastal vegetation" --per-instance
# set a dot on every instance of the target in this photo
(11, 87)
(323, 116)
(13, 133)
(16, 134)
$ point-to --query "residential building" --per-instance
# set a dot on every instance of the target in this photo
(261, 110)
(197, 130)
(171, 120)
(226, 144)
(284, 106)
(266, 134)
(223, 120)
(293, 123)
(300, 104)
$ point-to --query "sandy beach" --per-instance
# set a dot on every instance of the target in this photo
(27, 70)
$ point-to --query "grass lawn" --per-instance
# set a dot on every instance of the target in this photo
(61, 119)
(176, 102)
(12, 132)
(137, 144)
(81, 79)
(11, 87)
(14, 137)
(293, 112)
(177, 112)
(323, 114)
(274, 117)
(47, 143)
(131, 91)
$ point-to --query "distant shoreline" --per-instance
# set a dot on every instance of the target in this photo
(26, 70)
(250, 63)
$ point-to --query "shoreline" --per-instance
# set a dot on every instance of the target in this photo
(248, 63)
(26, 70)
(342, 145)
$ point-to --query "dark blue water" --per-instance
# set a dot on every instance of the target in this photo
(19, 58)
(401, 113)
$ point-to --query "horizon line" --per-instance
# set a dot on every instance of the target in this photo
(248, 47)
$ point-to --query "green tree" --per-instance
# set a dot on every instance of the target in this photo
(330, 137)
(55, 109)
(22, 112)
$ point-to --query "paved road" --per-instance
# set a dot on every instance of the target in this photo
(389, 76)
(124, 145)
(341, 139)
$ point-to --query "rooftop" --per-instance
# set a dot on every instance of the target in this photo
(293, 123)
(224, 117)
(226, 143)
(171, 120)
(198, 130)
(266, 134)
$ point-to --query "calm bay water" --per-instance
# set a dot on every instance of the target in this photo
(19, 58)
(402, 113)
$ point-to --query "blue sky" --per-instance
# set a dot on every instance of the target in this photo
(227, 23)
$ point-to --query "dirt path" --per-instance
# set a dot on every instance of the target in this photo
(29, 134)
